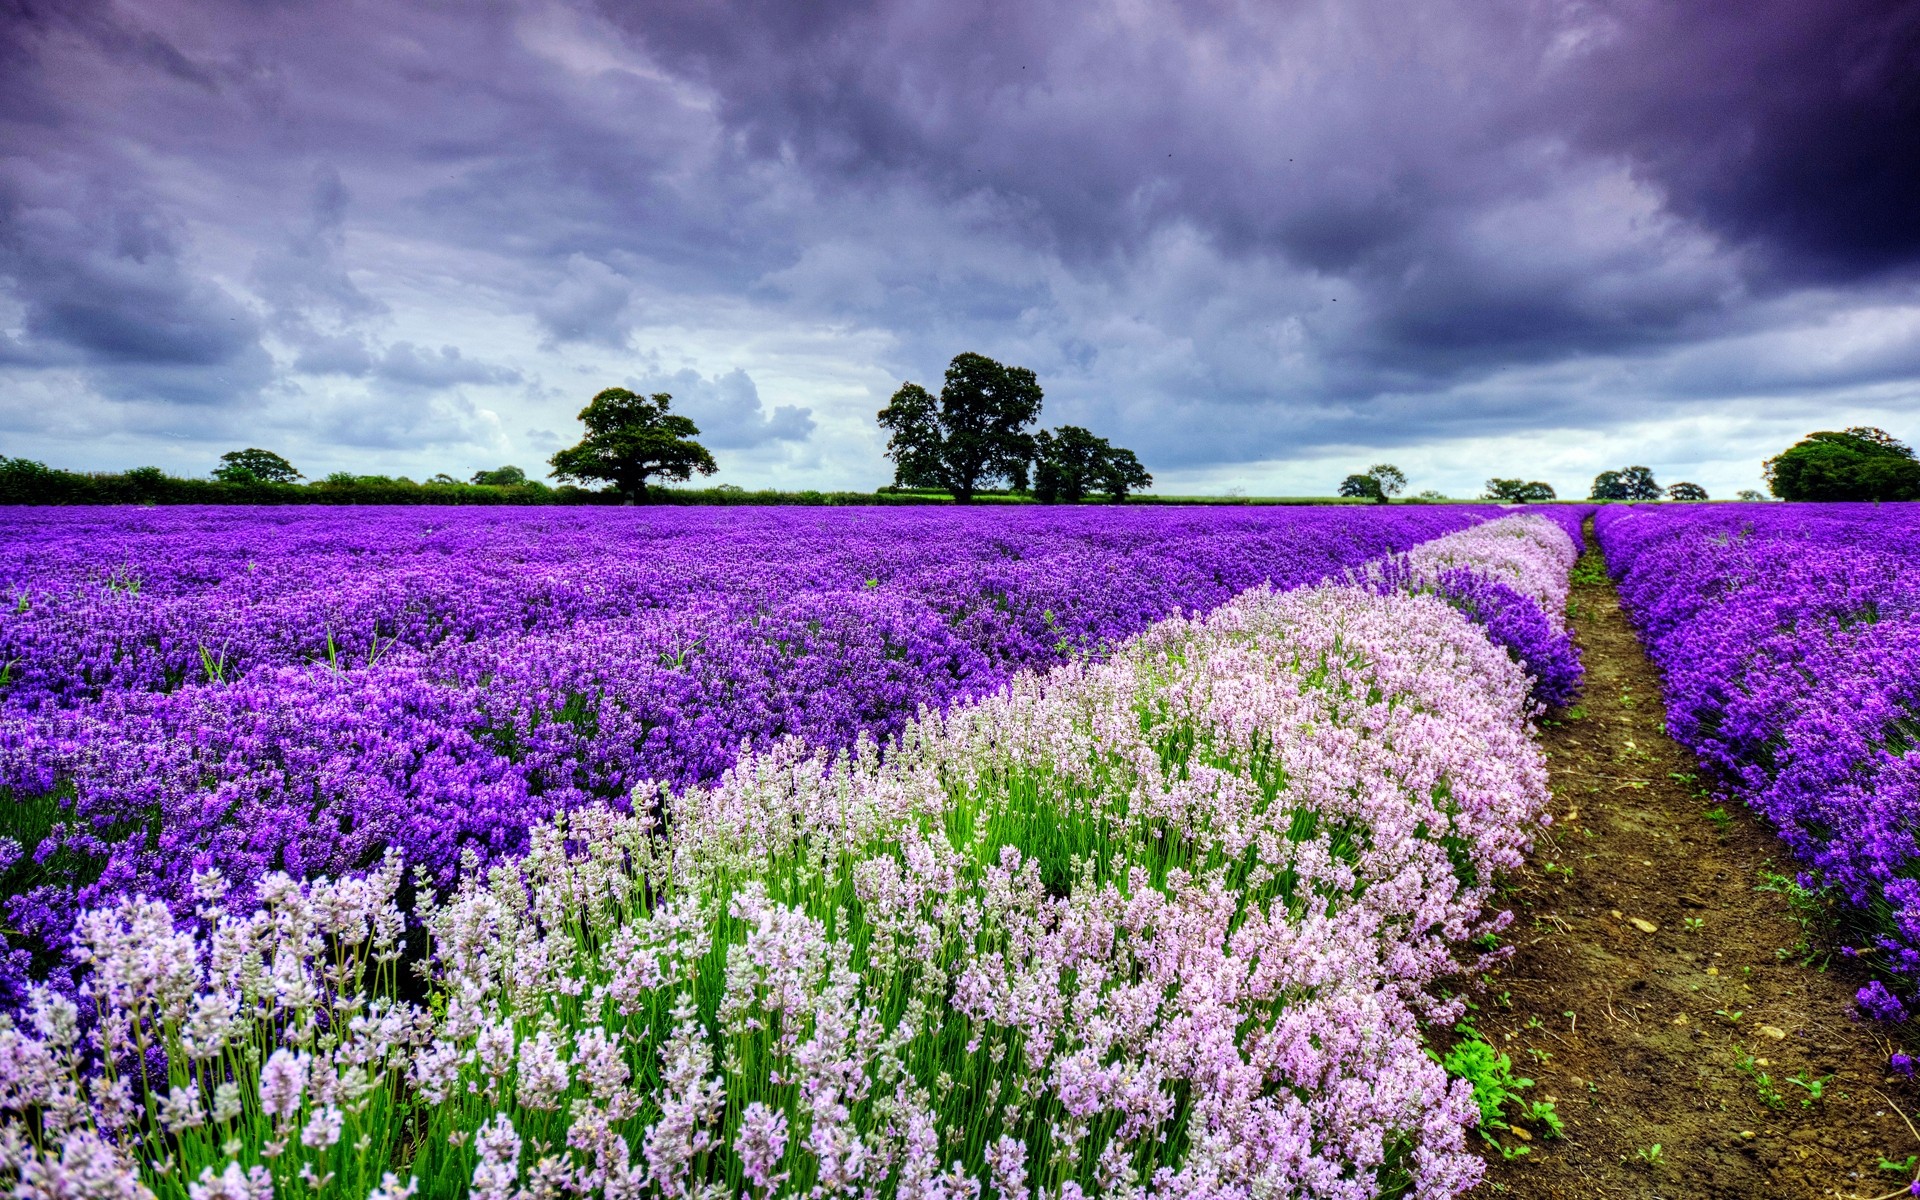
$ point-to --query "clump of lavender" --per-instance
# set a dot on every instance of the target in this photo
(264, 691)
(1162, 923)
(1788, 637)
(1510, 577)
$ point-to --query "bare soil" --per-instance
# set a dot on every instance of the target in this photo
(1658, 997)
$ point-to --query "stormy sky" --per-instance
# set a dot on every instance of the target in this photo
(1262, 243)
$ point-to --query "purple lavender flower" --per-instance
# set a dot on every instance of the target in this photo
(268, 689)
(1879, 1003)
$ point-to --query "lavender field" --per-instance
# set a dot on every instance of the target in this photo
(633, 853)
(1789, 638)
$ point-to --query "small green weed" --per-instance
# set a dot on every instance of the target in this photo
(1807, 907)
(1693, 924)
(1815, 1088)
(1650, 1155)
(1591, 570)
(1721, 818)
(1494, 1085)
(1762, 1082)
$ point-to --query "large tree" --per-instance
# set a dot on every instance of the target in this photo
(973, 436)
(1392, 479)
(630, 438)
(1861, 463)
(1380, 481)
(1628, 483)
(1363, 487)
(254, 466)
(1518, 491)
(1070, 462)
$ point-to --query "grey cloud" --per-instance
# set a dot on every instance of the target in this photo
(108, 287)
(728, 410)
(1219, 232)
(305, 279)
(407, 420)
(410, 366)
(590, 303)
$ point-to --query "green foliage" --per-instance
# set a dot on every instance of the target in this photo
(1380, 481)
(1070, 462)
(1494, 1086)
(1392, 479)
(1590, 569)
(973, 436)
(631, 438)
(1628, 483)
(1860, 463)
(1362, 487)
(1686, 491)
(1518, 491)
(500, 477)
(254, 466)
(1748, 494)
(1762, 1081)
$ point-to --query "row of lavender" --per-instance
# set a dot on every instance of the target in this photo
(299, 691)
(1789, 638)
(1162, 923)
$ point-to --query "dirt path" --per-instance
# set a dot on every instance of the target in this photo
(1658, 998)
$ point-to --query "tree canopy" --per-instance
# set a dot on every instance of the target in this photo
(973, 436)
(1686, 491)
(254, 466)
(1392, 479)
(1380, 481)
(1518, 491)
(1861, 463)
(1363, 487)
(1628, 483)
(501, 477)
(1070, 462)
(631, 438)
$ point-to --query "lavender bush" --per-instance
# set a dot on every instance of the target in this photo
(1162, 923)
(271, 690)
(1789, 639)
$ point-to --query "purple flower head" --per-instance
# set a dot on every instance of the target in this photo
(1902, 1065)
(1879, 1003)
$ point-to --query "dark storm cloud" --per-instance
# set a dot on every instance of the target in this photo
(1225, 231)
(1792, 127)
(1366, 143)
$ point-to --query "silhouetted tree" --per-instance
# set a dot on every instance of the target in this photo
(631, 438)
(1518, 491)
(1124, 475)
(1629, 483)
(1686, 491)
(1069, 462)
(973, 436)
(1392, 480)
(1363, 487)
(1861, 463)
(254, 466)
